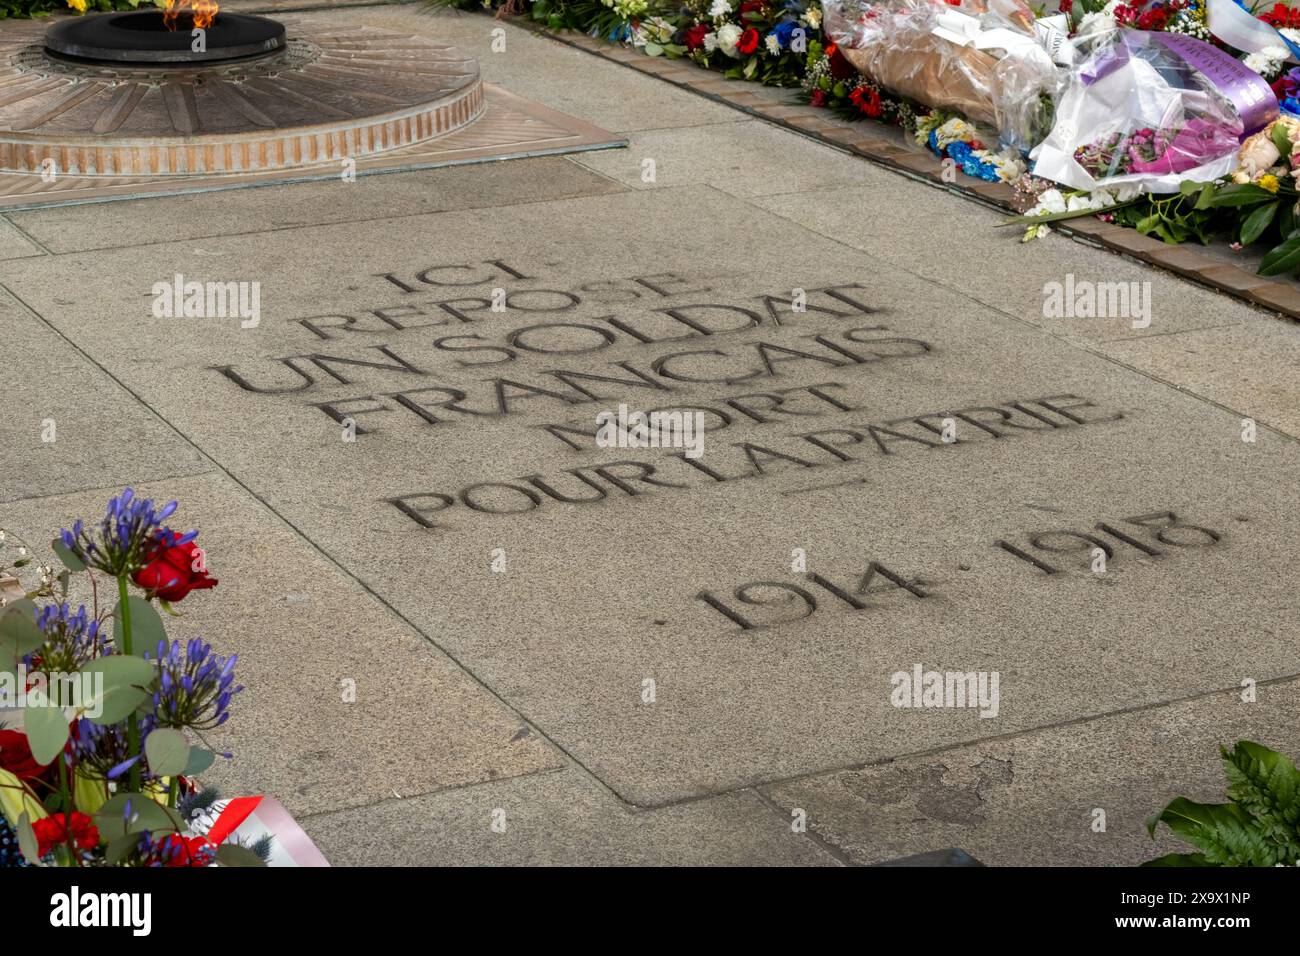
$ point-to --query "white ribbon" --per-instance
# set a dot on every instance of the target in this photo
(965, 30)
(1237, 28)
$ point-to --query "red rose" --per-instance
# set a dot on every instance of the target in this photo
(748, 41)
(16, 756)
(750, 6)
(818, 98)
(174, 572)
(1066, 6)
(53, 831)
(693, 38)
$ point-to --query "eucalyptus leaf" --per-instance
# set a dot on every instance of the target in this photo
(123, 687)
(146, 816)
(19, 634)
(200, 760)
(27, 842)
(146, 626)
(168, 752)
(232, 854)
(70, 560)
(47, 731)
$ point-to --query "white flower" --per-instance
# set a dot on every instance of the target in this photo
(773, 44)
(710, 42)
(720, 8)
(1267, 62)
(813, 17)
(728, 37)
(1049, 202)
(1258, 153)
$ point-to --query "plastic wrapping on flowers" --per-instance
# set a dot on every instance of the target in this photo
(1136, 113)
(977, 57)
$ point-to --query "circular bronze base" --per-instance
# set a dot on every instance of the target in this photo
(141, 36)
(334, 92)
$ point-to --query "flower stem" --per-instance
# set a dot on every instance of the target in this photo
(132, 722)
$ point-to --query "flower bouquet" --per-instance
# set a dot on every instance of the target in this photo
(1152, 110)
(98, 708)
(975, 58)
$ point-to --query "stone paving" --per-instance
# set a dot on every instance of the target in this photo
(565, 653)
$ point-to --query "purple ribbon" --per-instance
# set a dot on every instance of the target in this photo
(1248, 91)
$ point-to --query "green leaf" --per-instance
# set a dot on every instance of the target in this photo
(70, 560)
(1266, 785)
(1257, 222)
(47, 731)
(19, 635)
(232, 854)
(120, 848)
(168, 752)
(1221, 830)
(146, 626)
(27, 842)
(1057, 216)
(123, 687)
(1240, 194)
(1281, 259)
(1178, 859)
(200, 760)
(1281, 139)
(653, 49)
(146, 816)
(1189, 186)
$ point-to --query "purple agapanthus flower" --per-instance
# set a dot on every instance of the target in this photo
(132, 529)
(195, 686)
(72, 638)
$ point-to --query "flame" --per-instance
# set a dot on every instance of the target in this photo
(204, 11)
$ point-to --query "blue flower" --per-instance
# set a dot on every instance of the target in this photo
(131, 529)
(784, 32)
(195, 686)
(71, 638)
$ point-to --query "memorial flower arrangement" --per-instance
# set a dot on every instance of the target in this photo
(1199, 196)
(945, 134)
(832, 82)
(101, 770)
